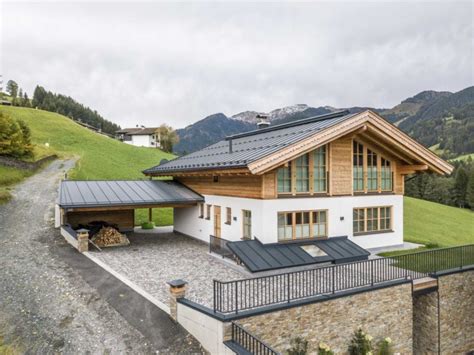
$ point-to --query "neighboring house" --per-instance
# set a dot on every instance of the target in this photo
(339, 174)
(139, 136)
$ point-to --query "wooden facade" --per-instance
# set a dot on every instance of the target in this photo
(125, 219)
(339, 168)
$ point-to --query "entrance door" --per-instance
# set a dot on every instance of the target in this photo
(217, 221)
(247, 224)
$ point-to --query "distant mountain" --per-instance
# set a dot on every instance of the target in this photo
(431, 117)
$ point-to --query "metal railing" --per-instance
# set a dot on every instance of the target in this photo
(250, 343)
(219, 246)
(247, 294)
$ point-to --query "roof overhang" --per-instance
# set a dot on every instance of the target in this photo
(367, 121)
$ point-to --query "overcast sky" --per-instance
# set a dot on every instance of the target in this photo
(149, 63)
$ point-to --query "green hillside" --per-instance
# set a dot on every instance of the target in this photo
(98, 157)
(430, 222)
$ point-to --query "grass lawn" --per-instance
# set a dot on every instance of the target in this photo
(432, 223)
(8, 177)
(98, 157)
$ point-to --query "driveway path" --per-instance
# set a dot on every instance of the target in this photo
(53, 299)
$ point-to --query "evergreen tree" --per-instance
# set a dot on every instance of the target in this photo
(470, 190)
(460, 187)
(12, 88)
(38, 96)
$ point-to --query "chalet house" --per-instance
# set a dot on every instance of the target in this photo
(140, 136)
(336, 175)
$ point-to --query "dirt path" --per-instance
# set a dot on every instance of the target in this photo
(46, 306)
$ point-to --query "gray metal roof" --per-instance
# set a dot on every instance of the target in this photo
(75, 194)
(251, 146)
(262, 257)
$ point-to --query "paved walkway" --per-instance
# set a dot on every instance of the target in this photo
(54, 300)
(151, 260)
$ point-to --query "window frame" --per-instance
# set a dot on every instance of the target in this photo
(244, 224)
(388, 220)
(311, 224)
(201, 211)
(287, 175)
(228, 216)
(208, 211)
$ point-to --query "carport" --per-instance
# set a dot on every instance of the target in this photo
(83, 202)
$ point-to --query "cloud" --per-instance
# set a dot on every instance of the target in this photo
(151, 63)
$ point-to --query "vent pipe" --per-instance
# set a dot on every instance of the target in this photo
(230, 145)
(263, 121)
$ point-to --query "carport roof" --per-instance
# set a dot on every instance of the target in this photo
(84, 194)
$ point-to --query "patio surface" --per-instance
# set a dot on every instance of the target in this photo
(153, 259)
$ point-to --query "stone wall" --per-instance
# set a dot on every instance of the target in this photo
(25, 165)
(425, 323)
(381, 313)
(456, 292)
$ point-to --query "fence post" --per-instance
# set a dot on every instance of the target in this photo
(372, 272)
(236, 301)
(215, 294)
(288, 286)
(462, 257)
(333, 279)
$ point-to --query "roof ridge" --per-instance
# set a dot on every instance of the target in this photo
(302, 121)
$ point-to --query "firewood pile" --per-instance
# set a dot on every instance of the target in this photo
(109, 236)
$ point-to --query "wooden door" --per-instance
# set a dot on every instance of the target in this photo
(217, 221)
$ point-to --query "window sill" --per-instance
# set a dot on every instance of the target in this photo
(299, 240)
(228, 223)
(371, 193)
(208, 218)
(302, 195)
(201, 217)
(360, 234)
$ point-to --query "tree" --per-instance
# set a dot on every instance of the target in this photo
(167, 137)
(460, 187)
(26, 100)
(12, 88)
(38, 96)
(15, 137)
(470, 190)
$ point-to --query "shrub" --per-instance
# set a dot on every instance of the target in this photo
(324, 349)
(148, 225)
(385, 347)
(299, 346)
(361, 343)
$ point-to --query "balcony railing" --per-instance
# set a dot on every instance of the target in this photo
(247, 294)
(219, 246)
(247, 343)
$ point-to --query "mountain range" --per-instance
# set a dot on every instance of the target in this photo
(435, 118)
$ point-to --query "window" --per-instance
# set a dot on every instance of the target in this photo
(319, 224)
(201, 210)
(208, 211)
(319, 170)
(358, 166)
(285, 226)
(228, 213)
(372, 219)
(302, 225)
(247, 224)
(372, 175)
(386, 175)
(284, 179)
(302, 173)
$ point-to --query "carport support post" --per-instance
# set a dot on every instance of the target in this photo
(150, 215)
(177, 290)
(82, 240)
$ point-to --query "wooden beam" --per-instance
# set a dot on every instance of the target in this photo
(385, 149)
(116, 208)
(411, 169)
(358, 131)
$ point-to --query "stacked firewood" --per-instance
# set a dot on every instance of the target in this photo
(109, 236)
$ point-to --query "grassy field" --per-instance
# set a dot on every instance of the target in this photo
(432, 223)
(98, 157)
(8, 178)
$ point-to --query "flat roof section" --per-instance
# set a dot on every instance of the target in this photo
(264, 257)
(113, 193)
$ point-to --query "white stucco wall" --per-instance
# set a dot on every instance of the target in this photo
(141, 141)
(265, 214)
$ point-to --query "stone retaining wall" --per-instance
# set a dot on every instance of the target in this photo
(381, 313)
(25, 165)
(456, 294)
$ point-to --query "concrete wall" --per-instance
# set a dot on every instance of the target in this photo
(265, 214)
(381, 313)
(207, 330)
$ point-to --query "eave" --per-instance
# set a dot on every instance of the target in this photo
(360, 123)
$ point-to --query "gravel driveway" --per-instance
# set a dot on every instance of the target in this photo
(45, 304)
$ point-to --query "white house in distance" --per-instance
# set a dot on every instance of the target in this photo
(140, 136)
(336, 175)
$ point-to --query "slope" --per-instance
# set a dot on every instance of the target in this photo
(433, 223)
(98, 157)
